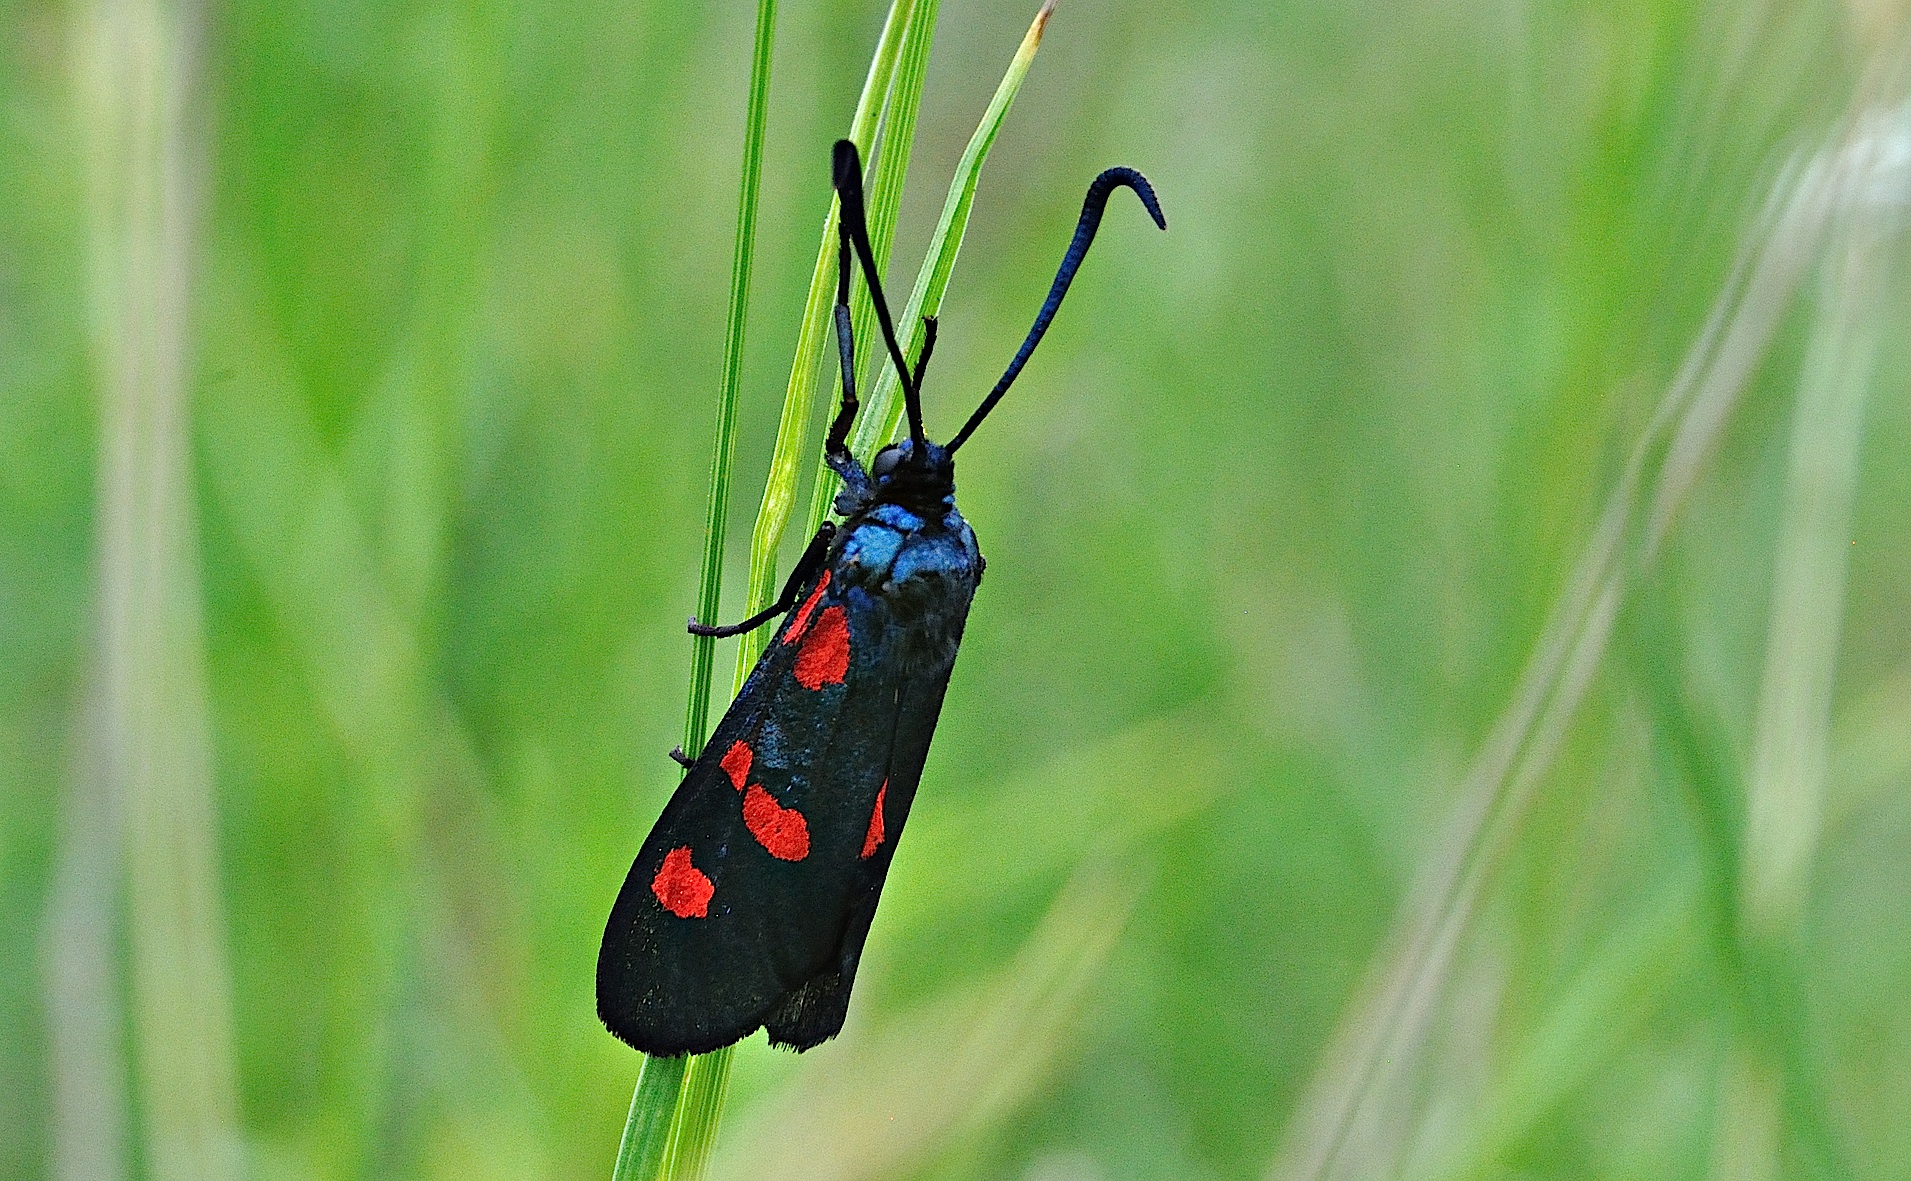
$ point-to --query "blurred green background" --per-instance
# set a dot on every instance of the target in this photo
(357, 365)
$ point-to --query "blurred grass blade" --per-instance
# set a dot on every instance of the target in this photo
(136, 75)
(1337, 1131)
(1769, 1039)
(1775, 1089)
(89, 1114)
(1791, 738)
(1615, 991)
(882, 409)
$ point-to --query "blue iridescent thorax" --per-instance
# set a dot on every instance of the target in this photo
(891, 544)
(902, 524)
(905, 559)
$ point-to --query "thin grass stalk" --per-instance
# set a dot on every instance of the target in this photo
(723, 449)
(1364, 1067)
(656, 1105)
(882, 409)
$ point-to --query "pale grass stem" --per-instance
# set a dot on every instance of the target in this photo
(135, 73)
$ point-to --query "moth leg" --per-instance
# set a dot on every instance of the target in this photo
(836, 451)
(806, 568)
(681, 759)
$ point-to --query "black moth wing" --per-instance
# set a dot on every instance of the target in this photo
(784, 917)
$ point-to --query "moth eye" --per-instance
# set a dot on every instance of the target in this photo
(886, 460)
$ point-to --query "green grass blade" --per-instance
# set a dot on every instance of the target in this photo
(640, 1155)
(805, 379)
(882, 409)
(799, 401)
(699, 1109)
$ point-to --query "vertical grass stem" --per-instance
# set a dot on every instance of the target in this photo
(723, 447)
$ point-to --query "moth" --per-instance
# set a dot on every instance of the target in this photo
(748, 904)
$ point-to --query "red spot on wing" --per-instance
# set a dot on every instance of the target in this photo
(782, 831)
(824, 656)
(736, 763)
(802, 621)
(874, 840)
(682, 887)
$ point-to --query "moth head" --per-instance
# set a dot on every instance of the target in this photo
(915, 476)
